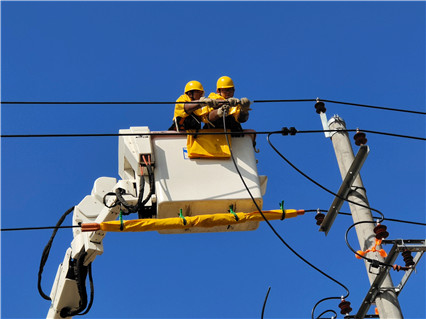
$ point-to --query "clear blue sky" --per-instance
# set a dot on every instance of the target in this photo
(363, 52)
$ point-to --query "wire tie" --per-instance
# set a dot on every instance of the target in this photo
(121, 221)
(231, 210)
(282, 209)
(181, 216)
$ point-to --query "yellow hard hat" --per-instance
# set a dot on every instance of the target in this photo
(224, 82)
(193, 85)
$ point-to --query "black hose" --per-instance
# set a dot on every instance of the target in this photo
(46, 251)
(151, 185)
(92, 291)
(80, 272)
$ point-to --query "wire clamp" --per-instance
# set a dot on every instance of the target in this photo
(282, 209)
(285, 131)
(181, 216)
(231, 210)
(121, 221)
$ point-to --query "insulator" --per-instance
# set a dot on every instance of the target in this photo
(360, 139)
(408, 258)
(345, 307)
(320, 107)
(380, 231)
(320, 218)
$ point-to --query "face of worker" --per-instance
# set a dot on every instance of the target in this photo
(226, 93)
(195, 94)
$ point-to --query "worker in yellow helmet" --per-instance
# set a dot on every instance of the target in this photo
(188, 116)
(237, 111)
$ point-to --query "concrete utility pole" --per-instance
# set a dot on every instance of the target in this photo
(386, 301)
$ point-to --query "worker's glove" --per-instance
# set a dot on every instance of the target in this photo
(233, 101)
(245, 105)
(209, 102)
(222, 110)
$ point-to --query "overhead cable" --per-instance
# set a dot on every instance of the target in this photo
(174, 102)
(172, 133)
(307, 211)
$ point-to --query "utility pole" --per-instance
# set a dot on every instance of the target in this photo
(386, 301)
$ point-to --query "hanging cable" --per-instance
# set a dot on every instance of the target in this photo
(264, 303)
(374, 262)
(80, 274)
(321, 301)
(318, 184)
(268, 222)
(46, 251)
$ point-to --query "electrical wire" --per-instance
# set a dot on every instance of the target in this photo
(264, 303)
(324, 312)
(38, 228)
(345, 199)
(370, 260)
(203, 133)
(374, 107)
(329, 310)
(306, 211)
(270, 225)
(254, 101)
(318, 184)
(374, 217)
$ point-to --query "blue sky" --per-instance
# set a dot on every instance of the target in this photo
(362, 52)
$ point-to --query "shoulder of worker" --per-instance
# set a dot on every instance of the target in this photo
(183, 98)
(215, 96)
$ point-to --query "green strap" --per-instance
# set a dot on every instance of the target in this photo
(121, 221)
(181, 216)
(282, 209)
(231, 210)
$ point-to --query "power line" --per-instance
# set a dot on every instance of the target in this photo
(375, 107)
(375, 217)
(39, 228)
(306, 211)
(366, 131)
(174, 102)
(202, 133)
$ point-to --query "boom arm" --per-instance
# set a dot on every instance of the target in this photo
(68, 292)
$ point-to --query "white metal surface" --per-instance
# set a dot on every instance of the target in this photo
(204, 186)
(197, 186)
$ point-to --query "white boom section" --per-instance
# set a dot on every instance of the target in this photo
(197, 186)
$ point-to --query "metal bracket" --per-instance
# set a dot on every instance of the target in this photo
(399, 245)
(325, 126)
(344, 189)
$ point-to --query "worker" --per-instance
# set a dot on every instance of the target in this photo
(188, 116)
(236, 110)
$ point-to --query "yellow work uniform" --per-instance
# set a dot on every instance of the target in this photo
(234, 111)
(186, 121)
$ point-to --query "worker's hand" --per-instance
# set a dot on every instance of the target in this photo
(245, 105)
(233, 101)
(222, 110)
(209, 102)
